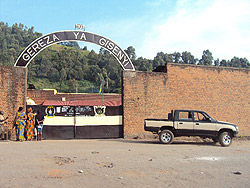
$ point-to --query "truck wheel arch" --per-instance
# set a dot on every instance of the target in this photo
(225, 130)
(166, 127)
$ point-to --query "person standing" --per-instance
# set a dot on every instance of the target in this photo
(35, 126)
(40, 120)
(2, 122)
(20, 124)
(30, 123)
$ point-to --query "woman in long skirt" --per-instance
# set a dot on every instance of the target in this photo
(30, 123)
(20, 122)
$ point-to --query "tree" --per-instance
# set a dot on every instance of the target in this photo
(188, 58)
(74, 85)
(235, 62)
(62, 77)
(239, 62)
(216, 62)
(131, 53)
(13, 40)
(93, 58)
(207, 58)
(223, 63)
(177, 57)
(53, 74)
(71, 44)
(244, 63)
(143, 64)
(159, 60)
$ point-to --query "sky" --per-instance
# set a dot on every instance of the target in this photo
(150, 26)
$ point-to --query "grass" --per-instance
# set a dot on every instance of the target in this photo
(84, 86)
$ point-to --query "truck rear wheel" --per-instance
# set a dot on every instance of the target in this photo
(166, 137)
(225, 139)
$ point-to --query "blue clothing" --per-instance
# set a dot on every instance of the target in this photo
(20, 126)
(40, 128)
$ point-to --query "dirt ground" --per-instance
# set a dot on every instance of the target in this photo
(123, 163)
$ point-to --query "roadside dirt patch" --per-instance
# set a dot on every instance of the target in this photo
(63, 160)
(57, 173)
(105, 165)
(135, 174)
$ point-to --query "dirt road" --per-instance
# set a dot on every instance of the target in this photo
(123, 163)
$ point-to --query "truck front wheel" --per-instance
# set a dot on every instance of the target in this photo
(225, 139)
(166, 137)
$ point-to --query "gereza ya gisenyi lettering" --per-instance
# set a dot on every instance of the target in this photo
(41, 43)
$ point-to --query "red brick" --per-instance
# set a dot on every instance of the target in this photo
(13, 83)
(221, 92)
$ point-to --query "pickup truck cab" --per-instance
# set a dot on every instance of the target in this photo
(191, 123)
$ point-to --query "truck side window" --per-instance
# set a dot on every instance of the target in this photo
(201, 117)
(196, 116)
(186, 116)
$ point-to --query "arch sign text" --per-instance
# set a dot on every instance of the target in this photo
(41, 43)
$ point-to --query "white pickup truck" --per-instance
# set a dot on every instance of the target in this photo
(191, 123)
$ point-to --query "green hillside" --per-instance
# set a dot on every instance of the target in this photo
(69, 68)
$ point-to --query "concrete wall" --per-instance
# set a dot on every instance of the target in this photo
(224, 93)
(13, 90)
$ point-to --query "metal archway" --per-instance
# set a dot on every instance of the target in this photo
(56, 37)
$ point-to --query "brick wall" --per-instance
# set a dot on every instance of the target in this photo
(221, 92)
(224, 93)
(13, 86)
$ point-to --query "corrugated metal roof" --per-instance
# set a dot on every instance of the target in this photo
(40, 96)
(82, 103)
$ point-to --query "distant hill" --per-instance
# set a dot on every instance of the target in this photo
(69, 68)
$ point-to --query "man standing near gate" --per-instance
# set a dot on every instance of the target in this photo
(2, 127)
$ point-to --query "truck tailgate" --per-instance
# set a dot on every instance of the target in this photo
(155, 124)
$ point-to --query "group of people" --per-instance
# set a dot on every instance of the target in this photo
(28, 125)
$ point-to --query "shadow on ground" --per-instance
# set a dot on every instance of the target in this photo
(178, 142)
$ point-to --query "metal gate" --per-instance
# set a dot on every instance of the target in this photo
(81, 122)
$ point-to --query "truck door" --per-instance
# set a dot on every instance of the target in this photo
(203, 125)
(184, 123)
